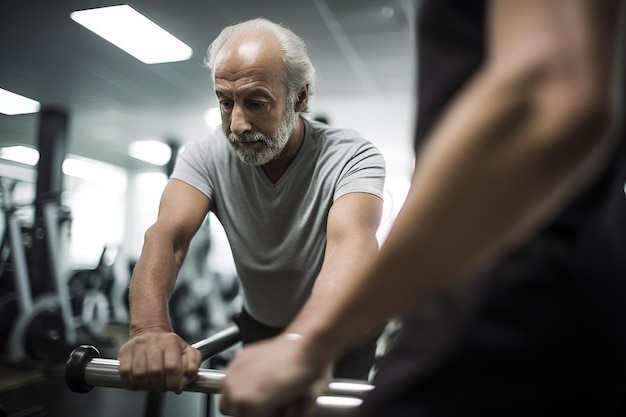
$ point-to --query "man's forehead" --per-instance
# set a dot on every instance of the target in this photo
(249, 61)
(247, 49)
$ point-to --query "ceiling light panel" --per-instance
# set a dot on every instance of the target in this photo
(134, 33)
(19, 153)
(12, 104)
(151, 151)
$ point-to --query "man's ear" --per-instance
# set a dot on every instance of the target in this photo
(302, 99)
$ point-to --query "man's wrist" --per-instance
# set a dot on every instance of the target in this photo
(314, 345)
(137, 329)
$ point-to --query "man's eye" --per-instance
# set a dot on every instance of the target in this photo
(226, 105)
(256, 105)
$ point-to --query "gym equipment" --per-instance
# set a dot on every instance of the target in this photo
(37, 327)
(189, 309)
(8, 315)
(86, 369)
(200, 305)
(90, 294)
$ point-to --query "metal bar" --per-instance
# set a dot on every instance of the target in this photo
(105, 373)
(13, 230)
(340, 399)
(20, 266)
(57, 244)
(217, 342)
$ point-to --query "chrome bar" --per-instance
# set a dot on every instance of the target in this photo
(105, 373)
(341, 398)
(217, 342)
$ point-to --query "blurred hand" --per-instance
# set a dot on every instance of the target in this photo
(275, 378)
(159, 361)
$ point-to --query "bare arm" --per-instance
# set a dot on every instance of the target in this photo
(527, 132)
(154, 358)
(181, 212)
(511, 150)
(351, 237)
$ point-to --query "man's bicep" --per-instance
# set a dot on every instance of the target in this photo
(183, 208)
(354, 212)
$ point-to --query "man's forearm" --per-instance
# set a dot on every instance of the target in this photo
(151, 286)
(343, 261)
(351, 239)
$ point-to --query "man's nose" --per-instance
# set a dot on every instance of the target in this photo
(238, 121)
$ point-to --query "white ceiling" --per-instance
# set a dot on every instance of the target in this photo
(359, 49)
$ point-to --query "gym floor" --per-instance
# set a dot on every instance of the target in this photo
(38, 393)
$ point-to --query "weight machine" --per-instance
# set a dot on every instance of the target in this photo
(35, 323)
(37, 320)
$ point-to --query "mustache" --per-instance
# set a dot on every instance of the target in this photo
(247, 137)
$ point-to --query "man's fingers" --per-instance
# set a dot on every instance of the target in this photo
(189, 364)
(158, 361)
(225, 406)
(148, 370)
(140, 371)
(155, 370)
(173, 364)
(244, 408)
(126, 370)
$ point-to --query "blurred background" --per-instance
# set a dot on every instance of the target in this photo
(85, 155)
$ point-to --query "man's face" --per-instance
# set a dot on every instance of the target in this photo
(272, 145)
(257, 116)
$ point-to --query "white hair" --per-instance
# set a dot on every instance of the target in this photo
(299, 70)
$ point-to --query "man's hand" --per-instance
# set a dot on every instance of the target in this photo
(280, 377)
(159, 361)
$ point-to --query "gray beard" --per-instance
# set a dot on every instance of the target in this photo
(274, 144)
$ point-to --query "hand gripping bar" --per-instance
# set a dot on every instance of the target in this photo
(86, 369)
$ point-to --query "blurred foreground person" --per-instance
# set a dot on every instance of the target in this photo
(507, 262)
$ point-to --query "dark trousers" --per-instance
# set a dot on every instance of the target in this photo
(355, 364)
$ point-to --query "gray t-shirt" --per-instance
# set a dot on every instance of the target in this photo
(277, 231)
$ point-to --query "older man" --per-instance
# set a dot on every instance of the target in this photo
(300, 203)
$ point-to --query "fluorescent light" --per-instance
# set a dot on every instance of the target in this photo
(213, 117)
(98, 172)
(151, 151)
(134, 33)
(22, 154)
(339, 402)
(350, 386)
(150, 181)
(12, 104)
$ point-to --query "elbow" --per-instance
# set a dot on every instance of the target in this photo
(573, 110)
(565, 100)
(585, 107)
(159, 238)
(586, 118)
(575, 135)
